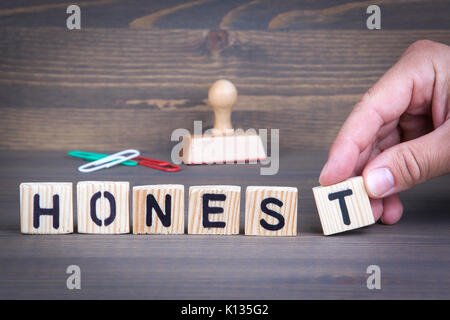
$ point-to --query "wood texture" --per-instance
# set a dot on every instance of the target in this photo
(108, 87)
(86, 190)
(357, 204)
(142, 69)
(140, 193)
(230, 210)
(229, 15)
(137, 86)
(414, 254)
(46, 192)
(254, 196)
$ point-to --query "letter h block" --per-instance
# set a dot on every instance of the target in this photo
(214, 210)
(271, 211)
(46, 208)
(343, 206)
(158, 209)
(103, 207)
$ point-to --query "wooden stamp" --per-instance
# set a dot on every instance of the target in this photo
(271, 211)
(158, 209)
(214, 210)
(343, 206)
(103, 207)
(46, 208)
(224, 144)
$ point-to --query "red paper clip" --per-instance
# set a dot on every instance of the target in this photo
(156, 164)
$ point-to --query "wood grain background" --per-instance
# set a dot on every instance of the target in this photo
(137, 70)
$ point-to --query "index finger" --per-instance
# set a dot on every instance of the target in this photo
(407, 83)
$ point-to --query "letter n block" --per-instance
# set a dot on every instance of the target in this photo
(343, 206)
(103, 207)
(46, 208)
(158, 209)
(271, 211)
(214, 210)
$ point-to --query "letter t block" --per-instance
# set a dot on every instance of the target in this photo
(343, 206)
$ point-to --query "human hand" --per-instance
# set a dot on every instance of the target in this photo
(398, 134)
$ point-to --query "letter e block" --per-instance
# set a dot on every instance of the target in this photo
(343, 206)
(103, 207)
(158, 209)
(214, 210)
(46, 208)
(271, 211)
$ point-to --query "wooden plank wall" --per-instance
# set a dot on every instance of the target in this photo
(139, 69)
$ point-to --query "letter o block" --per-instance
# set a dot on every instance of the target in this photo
(103, 207)
(214, 210)
(343, 206)
(158, 209)
(271, 211)
(46, 208)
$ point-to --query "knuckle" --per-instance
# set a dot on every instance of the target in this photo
(421, 45)
(367, 96)
(420, 51)
(411, 166)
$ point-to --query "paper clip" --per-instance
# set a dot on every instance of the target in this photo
(90, 156)
(157, 164)
(109, 161)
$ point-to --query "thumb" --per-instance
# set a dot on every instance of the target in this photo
(404, 165)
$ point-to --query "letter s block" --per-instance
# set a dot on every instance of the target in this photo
(46, 208)
(103, 207)
(271, 211)
(343, 206)
(214, 210)
(158, 209)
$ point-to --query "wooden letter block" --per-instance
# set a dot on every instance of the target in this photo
(46, 208)
(103, 207)
(158, 209)
(343, 206)
(214, 209)
(271, 211)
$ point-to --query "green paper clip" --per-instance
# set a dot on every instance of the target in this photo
(89, 156)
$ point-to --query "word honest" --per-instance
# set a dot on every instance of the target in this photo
(103, 208)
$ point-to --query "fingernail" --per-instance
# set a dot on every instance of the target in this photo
(379, 181)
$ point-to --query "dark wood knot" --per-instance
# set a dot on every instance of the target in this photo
(216, 41)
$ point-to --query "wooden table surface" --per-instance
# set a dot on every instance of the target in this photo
(414, 255)
(136, 71)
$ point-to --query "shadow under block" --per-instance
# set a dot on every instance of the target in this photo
(158, 209)
(343, 206)
(236, 147)
(46, 208)
(214, 210)
(103, 207)
(271, 211)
